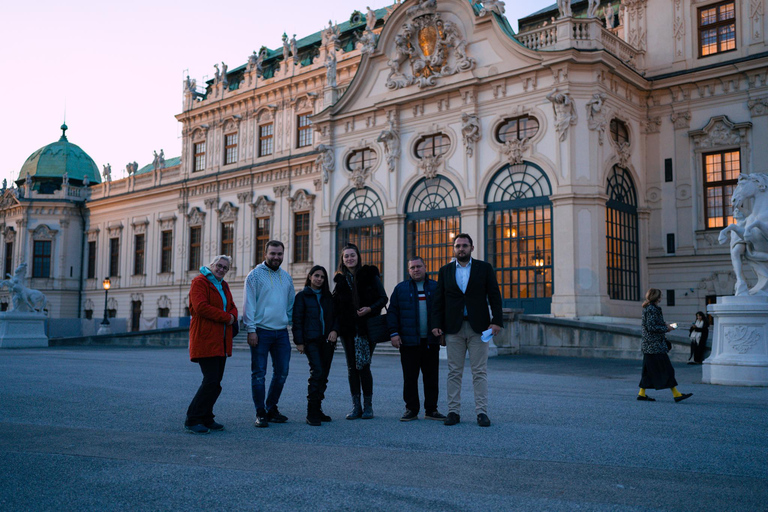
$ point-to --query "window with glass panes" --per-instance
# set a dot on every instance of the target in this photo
(114, 257)
(622, 240)
(717, 28)
(41, 258)
(519, 236)
(195, 247)
(361, 159)
(166, 251)
(300, 237)
(262, 237)
(8, 263)
(721, 173)
(227, 237)
(519, 128)
(619, 132)
(432, 145)
(138, 254)
(230, 148)
(199, 156)
(432, 221)
(266, 139)
(359, 222)
(304, 131)
(92, 259)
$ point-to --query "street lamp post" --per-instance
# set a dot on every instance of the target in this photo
(104, 327)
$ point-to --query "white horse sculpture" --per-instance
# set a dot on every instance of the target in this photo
(749, 235)
(24, 299)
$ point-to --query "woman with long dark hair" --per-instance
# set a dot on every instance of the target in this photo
(698, 333)
(658, 372)
(358, 295)
(314, 337)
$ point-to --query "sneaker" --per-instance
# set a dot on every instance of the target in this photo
(214, 426)
(197, 429)
(452, 419)
(434, 415)
(409, 415)
(261, 419)
(274, 416)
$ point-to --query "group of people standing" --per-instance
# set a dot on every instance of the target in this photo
(423, 314)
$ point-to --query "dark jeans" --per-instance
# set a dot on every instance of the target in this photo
(319, 355)
(200, 410)
(425, 359)
(276, 344)
(357, 378)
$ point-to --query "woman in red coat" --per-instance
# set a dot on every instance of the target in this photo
(210, 340)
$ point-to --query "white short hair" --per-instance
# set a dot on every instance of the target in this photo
(216, 259)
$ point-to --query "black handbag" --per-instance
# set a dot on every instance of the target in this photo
(378, 331)
(235, 328)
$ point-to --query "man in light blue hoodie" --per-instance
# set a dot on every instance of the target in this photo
(267, 311)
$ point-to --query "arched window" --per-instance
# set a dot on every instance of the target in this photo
(518, 128)
(621, 233)
(519, 236)
(361, 159)
(432, 145)
(432, 220)
(359, 222)
(619, 132)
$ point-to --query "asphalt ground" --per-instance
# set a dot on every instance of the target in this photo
(87, 428)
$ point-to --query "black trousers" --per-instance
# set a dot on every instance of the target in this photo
(320, 356)
(200, 411)
(357, 378)
(425, 359)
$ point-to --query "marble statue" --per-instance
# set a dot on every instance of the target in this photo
(596, 115)
(65, 179)
(224, 68)
(325, 161)
(294, 49)
(86, 181)
(610, 15)
(330, 73)
(107, 173)
(160, 161)
(470, 131)
(749, 234)
(564, 6)
(331, 35)
(592, 8)
(216, 74)
(367, 42)
(286, 48)
(565, 112)
(488, 6)
(370, 19)
(391, 140)
(5, 184)
(191, 85)
(24, 299)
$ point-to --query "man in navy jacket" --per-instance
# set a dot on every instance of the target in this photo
(409, 320)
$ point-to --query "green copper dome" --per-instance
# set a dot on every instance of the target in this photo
(53, 160)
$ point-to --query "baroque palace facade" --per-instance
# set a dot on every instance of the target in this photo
(591, 155)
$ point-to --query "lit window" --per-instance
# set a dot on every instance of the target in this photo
(138, 255)
(721, 173)
(717, 28)
(227, 238)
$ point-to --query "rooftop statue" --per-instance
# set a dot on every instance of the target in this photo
(286, 48)
(592, 8)
(749, 234)
(294, 49)
(564, 6)
(330, 64)
(107, 173)
(370, 19)
(24, 299)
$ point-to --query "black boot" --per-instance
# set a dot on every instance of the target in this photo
(313, 413)
(367, 407)
(323, 417)
(357, 409)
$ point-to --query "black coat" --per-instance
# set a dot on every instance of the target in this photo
(306, 316)
(370, 293)
(449, 301)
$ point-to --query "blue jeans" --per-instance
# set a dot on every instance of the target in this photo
(275, 343)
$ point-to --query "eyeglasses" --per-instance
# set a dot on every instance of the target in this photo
(222, 267)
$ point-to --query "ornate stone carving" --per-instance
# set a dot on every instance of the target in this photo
(489, 6)
(281, 190)
(330, 68)
(470, 131)
(43, 232)
(718, 283)
(140, 227)
(318, 184)
(719, 131)
(652, 124)
(592, 8)
(210, 203)
(263, 207)
(302, 201)
(430, 165)
(756, 17)
(358, 177)
(513, 149)
(164, 302)
(9, 234)
(107, 173)
(137, 297)
(167, 223)
(325, 161)
(227, 212)
(367, 42)
(391, 140)
(741, 338)
(196, 217)
(331, 36)
(623, 153)
(597, 115)
(244, 197)
(433, 47)
(758, 106)
(88, 304)
(565, 112)
(653, 195)
(680, 120)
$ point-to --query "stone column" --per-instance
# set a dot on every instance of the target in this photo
(394, 250)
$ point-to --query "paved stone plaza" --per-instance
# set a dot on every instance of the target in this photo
(101, 429)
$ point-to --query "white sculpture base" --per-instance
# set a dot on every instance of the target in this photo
(104, 330)
(22, 330)
(740, 342)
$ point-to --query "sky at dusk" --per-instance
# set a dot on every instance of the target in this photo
(117, 68)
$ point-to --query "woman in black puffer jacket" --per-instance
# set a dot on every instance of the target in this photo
(314, 336)
(357, 296)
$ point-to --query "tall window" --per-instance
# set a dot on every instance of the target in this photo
(359, 223)
(138, 254)
(195, 242)
(41, 259)
(717, 28)
(199, 156)
(519, 236)
(262, 237)
(432, 221)
(305, 131)
(721, 172)
(266, 139)
(621, 233)
(432, 145)
(519, 128)
(166, 251)
(92, 259)
(301, 237)
(227, 237)
(361, 159)
(230, 148)
(8, 262)
(114, 257)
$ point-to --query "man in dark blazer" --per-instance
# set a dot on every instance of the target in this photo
(465, 289)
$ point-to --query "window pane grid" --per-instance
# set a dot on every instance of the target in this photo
(369, 239)
(230, 148)
(622, 246)
(304, 131)
(432, 239)
(167, 251)
(262, 237)
(301, 237)
(195, 235)
(199, 156)
(721, 172)
(138, 255)
(41, 262)
(266, 139)
(717, 28)
(432, 145)
(114, 257)
(227, 238)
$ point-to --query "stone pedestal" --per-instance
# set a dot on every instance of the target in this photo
(740, 342)
(22, 330)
